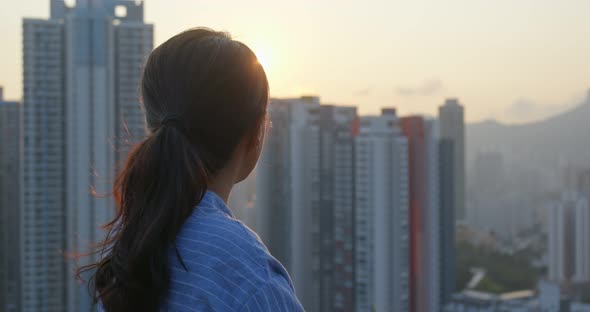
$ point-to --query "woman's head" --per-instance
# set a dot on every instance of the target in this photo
(213, 88)
(205, 98)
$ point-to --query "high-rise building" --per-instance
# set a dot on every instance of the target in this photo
(452, 127)
(447, 220)
(288, 193)
(81, 74)
(433, 230)
(562, 237)
(305, 199)
(381, 232)
(424, 213)
(582, 250)
(576, 180)
(43, 211)
(10, 158)
(338, 127)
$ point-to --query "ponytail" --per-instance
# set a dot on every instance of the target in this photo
(161, 183)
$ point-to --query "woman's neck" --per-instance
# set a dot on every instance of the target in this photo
(222, 183)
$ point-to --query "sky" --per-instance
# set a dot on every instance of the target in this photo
(512, 60)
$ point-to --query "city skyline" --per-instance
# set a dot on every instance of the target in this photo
(433, 51)
(359, 226)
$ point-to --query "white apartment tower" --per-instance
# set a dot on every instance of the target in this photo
(381, 233)
(582, 250)
(569, 239)
(82, 68)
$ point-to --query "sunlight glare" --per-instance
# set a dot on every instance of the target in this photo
(264, 56)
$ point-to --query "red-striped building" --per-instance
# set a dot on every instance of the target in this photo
(423, 214)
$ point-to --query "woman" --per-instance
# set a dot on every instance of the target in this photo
(173, 244)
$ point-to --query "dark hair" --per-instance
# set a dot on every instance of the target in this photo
(203, 93)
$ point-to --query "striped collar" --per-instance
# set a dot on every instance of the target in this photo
(212, 200)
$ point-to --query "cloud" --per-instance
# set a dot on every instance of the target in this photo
(426, 88)
(363, 92)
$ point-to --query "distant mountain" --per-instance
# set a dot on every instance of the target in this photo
(555, 140)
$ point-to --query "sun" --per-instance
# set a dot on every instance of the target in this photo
(263, 59)
(264, 56)
(270, 55)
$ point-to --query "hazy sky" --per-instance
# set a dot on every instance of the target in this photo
(515, 60)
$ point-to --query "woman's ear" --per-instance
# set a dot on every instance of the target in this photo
(253, 147)
(265, 125)
(259, 133)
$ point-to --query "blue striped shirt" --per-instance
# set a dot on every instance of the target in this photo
(228, 267)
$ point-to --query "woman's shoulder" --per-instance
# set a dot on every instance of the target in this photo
(221, 261)
(221, 236)
(216, 234)
(212, 237)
